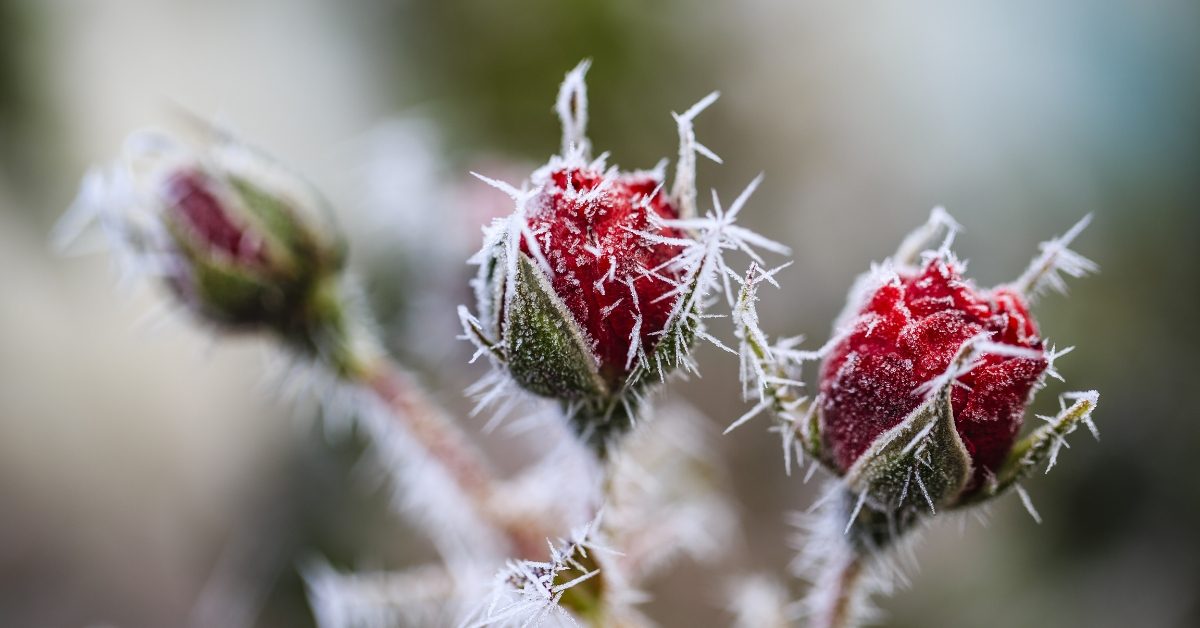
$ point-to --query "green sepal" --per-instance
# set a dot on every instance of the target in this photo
(546, 351)
(291, 238)
(230, 295)
(1036, 449)
(919, 464)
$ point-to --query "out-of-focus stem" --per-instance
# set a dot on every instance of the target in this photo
(353, 353)
(446, 443)
(840, 595)
(440, 437)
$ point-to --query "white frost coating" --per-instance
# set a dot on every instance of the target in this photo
(119, 203)
(572, 108)
(912, 249)
(525, 592)
(771, 374)
(825, 554)
(666, 499)
(1028, 503)
(517, 226)
(635, 335)
(761, 602)
(970, 354)
(684, 190)
(1045, 271)
(422, 596)
(422, 489)
(1067, 420)
(701, 264)
(940, 223)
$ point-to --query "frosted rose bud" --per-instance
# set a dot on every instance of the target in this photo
(587, 315)
(593, 288)
(241, 242)
(906, 335)
(588, 230)
(251, 255)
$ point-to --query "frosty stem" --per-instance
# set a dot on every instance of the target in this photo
(851, 549)
(837, 606)
(353, 353)
(440, 438)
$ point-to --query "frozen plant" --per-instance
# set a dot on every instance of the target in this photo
(589, 296)
(592, 291)
(922, 393)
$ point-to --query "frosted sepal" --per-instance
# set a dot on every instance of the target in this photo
(919, 464)
(546, 351)
(1041, 447)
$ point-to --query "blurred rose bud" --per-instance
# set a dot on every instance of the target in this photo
(249, 253)
(241, 242)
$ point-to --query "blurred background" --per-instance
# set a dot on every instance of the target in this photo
(150, 475)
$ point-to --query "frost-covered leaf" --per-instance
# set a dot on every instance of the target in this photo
(1040, 447)
(921, 462)
(547, 352)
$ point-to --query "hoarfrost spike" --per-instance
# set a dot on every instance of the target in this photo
(924, 449)
(1041, 446)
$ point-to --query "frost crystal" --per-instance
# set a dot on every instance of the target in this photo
(530, 593)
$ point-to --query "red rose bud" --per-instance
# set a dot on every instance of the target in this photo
(906, 336)
(588, 229)
(586, 312)
(253, 245)
(241, 242)
(581, 289)
(924, 392)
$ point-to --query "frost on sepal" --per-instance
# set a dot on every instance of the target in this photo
(547, 352)
(770, 376)
(919, 464)
(1040, 447)
(1046, 270)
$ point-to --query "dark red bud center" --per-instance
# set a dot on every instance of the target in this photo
(191, 196)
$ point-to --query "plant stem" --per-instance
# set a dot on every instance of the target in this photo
(842, 594)
(339, 339)
(440, 437)
(450, 447)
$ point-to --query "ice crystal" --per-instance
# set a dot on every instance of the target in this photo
(529, 592)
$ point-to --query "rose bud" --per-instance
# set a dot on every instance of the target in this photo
(592, 289)
(924, 392)
(583, 317)
(909, 332)
(239, 241)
